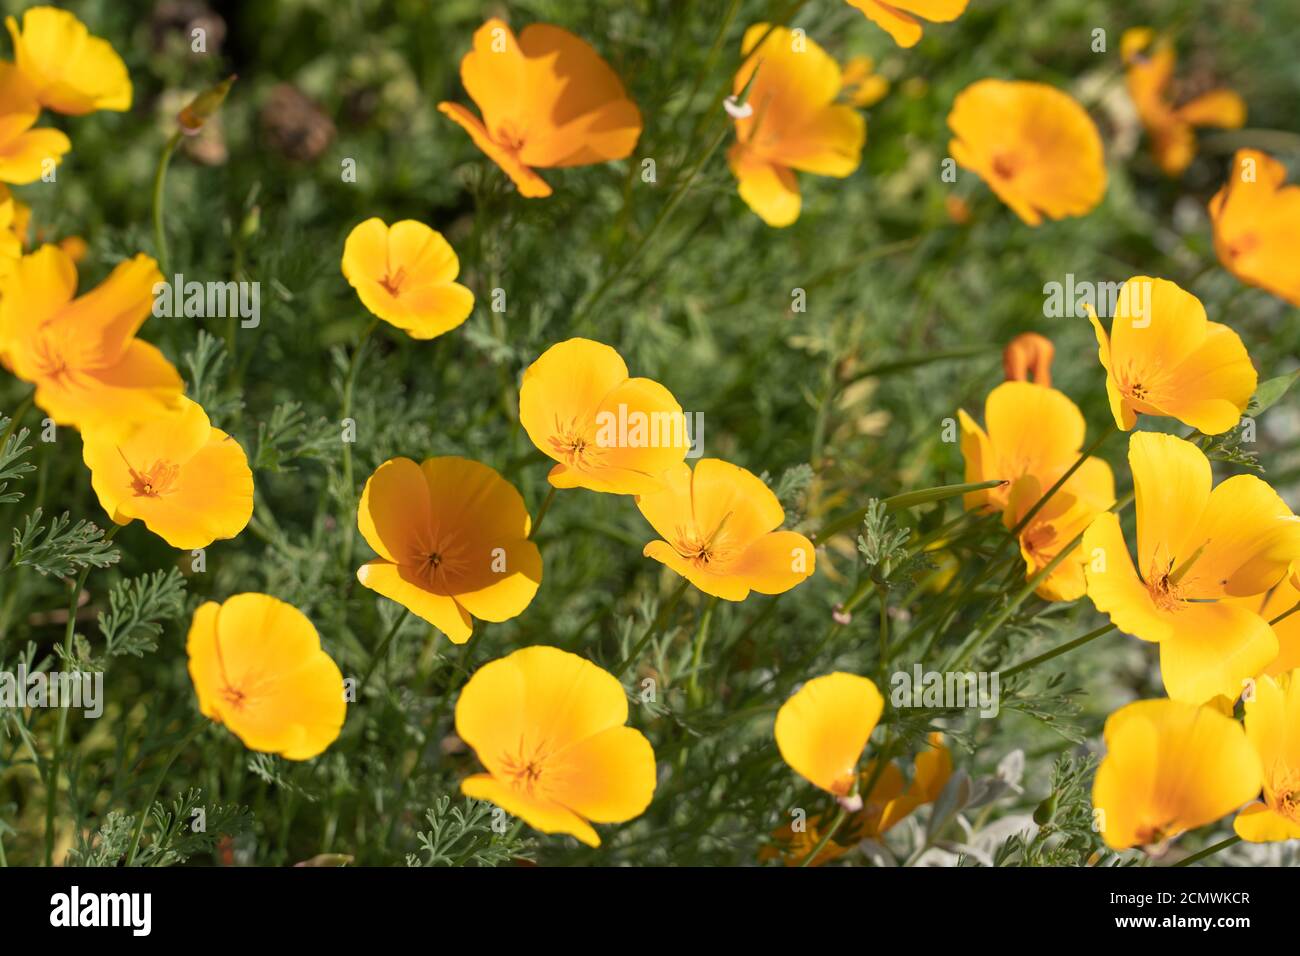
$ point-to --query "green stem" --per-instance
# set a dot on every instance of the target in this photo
(379, 651)
(701, 636)
(908, 499)
(349, 384)
(541, 512)
(655, 627)
(1284, 615)
(160, 201)
(184, 742)
(1058, 651)
(1079, 462)
(826, 838)
(1209, 851)
(60, 734)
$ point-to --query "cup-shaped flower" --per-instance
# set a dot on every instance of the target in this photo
(258, 668)
(1257, 225)
(792, 121)
(1164, 357)
(1032, 144)
(548, 101)
(1032, 432)
(549, 728)
(823, 728)
(1148, 69)
(718, 524)
(452, 540)
(1062, 519)
(605, 431)
(1170, 767)
(71, 71)
(82, 353)
(25, 153)
(405, 274)
(1273, 729)
(188, 482)
(1196, 548)
(901, 19)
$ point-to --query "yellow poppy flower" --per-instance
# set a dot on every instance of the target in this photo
(899, 18)
(1032, 144)
(1273, 729)
(1033, 432)
(548, 101)
(549, 728)
(889, 803)
(404, 274)
(258, 668)
(452, 540)
(71, 71)
(1196, 547)
(24, 152)
(1170, 767)
(1163, 357)
(823, 728)
(1029, 356)
(719, 524)
(861, 84)
(1066, 515)
(1257, 225)
(188, 482)
(792, 122)
(607, 432)
(1149, 66)
(81, 353)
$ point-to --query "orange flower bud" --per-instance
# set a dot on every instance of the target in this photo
(1029, 354)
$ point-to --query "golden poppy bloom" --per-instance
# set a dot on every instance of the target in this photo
(1033, 431)
(861, 84)
(899, 18)
(548, 101)
(1170, 767)
(1273, 729)
(1029, 355)
(258, 668)
(792, 122)
(719, 527)
(1032, 144)
(1149, 67)
(890, 802)
(452, 540)
(1163, 357)
(1257, 225)
(188, 482)
(1066, 515)
(549, 728)
(405, 275)
(823, 728)
(1196, 548)
(81, 353)
(24, 151)
(605, 431)
(70, 70)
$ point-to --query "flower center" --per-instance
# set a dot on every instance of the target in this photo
(573, 446)
(525, 772)
(1005, 165)
(1285, 790)
(156, 480)
(1166, 593)
(508, 136)
(393, 281)
(233, 696)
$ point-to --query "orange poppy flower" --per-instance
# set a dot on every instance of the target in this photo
(404, 274)
(452, 540)
(1273, 729)
(258, 669)
(793, 122)
(1163, 357)
(1029, 355)
(719, 524)
(1149, 67)
(81, 353)
(1032, 144)
(549, 728)
(24, 152)
(70, 71)
(1257, 225)
(1197, 547)
(890, 802)
(607, 432)
(899, 18)
(823, 728)
(188, 482)
(548, 101)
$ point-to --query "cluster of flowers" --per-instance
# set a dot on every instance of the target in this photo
(453, 538)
